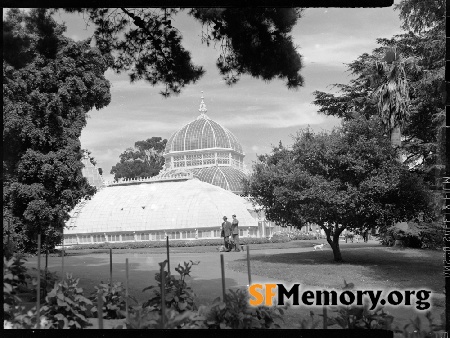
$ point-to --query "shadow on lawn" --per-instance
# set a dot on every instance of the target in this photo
(408, 268)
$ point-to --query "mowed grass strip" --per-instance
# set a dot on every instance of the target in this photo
(373, 266)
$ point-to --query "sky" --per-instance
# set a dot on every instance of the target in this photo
(259, 114)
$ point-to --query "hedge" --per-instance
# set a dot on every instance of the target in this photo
(182, 243)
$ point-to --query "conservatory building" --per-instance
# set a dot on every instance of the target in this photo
(201, 183)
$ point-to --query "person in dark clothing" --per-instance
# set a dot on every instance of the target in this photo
(365, 235)
(226, 233)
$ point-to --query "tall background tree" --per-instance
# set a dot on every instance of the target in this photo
(421, 109)
(145, 160)
(144, 43)
(50, 83)
(347, 179)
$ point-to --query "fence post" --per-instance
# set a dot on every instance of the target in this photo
(248, 266)
(46, 269)
(100, 309)
(110, 269)
(126, 288)
(163, 297)
(38, 296)
(223, 276)
(325, 317)
(168, 262)
(62, 261)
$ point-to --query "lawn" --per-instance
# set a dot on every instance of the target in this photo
(371, 266)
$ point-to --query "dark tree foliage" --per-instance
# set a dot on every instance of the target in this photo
(422, 15)
(423, 132)
(347, 179)
(50, 83)
(253, 41)
(145, 160)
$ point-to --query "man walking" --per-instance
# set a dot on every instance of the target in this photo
(235, 233)
(226, 233)
(365, 235)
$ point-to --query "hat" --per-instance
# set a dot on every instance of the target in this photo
(234, 215)
(225, 217)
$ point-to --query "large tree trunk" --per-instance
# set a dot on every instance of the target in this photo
(396, 140)
(334, 242)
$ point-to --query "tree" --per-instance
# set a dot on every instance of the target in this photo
(145, 160)
(50, 83)
(253, 41)
(423, 136)
(346, 179)
(391, 92)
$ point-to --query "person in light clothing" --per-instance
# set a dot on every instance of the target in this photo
(235, 233)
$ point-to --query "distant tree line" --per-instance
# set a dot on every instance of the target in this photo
(145, 160)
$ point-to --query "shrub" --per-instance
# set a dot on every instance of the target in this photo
(22, 320)
(172, 244)
(114, 300)
(294, 235)
(66, 307)
(359, 317)
(278, 237)
(15, 285)
(419, 235)
(145, 318)
(48, 280)
(236, 313)
(178, 295)
(10, 282)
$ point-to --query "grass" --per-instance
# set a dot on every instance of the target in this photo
(372, 266)
(368, 267)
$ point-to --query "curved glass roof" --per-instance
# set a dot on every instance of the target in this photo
(202, 133)
(90, 172)
(189, 204)
(228, 178)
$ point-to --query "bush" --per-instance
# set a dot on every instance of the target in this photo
(13, 275)
(293, 235)
(419, 235)
(66, 307)
(178, 295)
(278, 237)
(114, 300)
(22, 320)
(172, 244)
(236, 313)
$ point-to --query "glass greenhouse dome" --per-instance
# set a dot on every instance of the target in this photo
(208, 150)
(200, 184)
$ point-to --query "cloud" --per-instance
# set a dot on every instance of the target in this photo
(283, 117)
(341, 51)
(257, 112)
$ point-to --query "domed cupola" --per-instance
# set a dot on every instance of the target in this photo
(203, 144)
(202, 133)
